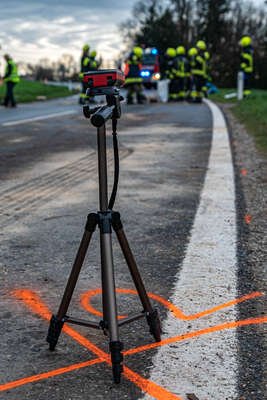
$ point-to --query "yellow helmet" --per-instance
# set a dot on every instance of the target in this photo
(192, 52)
(245, 41)
(201, 45)
(93, 53)
(171, 52)
(138, 51)
(180, 50)
(207, 55)
(86, 47)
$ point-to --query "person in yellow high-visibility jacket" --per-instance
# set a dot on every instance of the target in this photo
(181, 72)
(190, 85)
(133, 79)
(246, 63)
(11, 78)
(191, 82)
(198, 71)
(85, 63)
(171, 72)
(94, 64)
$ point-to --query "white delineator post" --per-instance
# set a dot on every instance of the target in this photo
(163, 90)
(240, 85)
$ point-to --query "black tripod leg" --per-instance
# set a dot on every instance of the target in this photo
(109, 294)
(56, 322)
(152, 314)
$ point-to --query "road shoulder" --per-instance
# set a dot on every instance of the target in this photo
(251, 197)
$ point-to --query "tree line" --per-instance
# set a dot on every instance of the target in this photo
(66, 68)
(220, 23)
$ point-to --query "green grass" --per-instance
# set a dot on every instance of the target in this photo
(27, 91)
(252, 112)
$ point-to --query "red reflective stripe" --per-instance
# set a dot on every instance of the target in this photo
(126, 69)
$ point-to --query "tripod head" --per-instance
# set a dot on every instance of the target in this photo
(107, 83)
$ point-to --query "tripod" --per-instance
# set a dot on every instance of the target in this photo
(107, 220)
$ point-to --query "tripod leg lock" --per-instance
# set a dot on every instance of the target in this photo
(116, 359)
(116, 221)
(54, 331)
(91, 223)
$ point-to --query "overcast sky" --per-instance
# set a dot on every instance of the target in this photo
(32, 29)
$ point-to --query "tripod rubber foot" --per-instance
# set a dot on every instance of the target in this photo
(154, 324)
(116, 359)
(54, 331)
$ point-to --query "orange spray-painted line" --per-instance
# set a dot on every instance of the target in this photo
(248, 219)
(142, 383)
(244, 171)
(87, 296)
(147, 386)
(49, 374)
(86, 301)
(194, 334)
(155, 390)
(32, 300)
(35, 304)
(178, 313)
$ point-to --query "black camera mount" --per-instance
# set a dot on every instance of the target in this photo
(101, 114)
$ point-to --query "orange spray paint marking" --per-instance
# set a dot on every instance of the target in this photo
(248, 219)
(86, 301)
(180, 315)
(194, 334)
(33, 301)
(135, 377)
(35, 304)
(155, 390)
(244, 171)
(177, 312)
(87, 296)
(49, 374)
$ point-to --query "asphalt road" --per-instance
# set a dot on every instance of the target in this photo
(49, 183)
(43, 109)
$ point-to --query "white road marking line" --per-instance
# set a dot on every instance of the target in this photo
(39, 118)
(206, 366)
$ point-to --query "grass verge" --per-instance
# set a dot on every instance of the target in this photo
(252, 112)
(27, 91)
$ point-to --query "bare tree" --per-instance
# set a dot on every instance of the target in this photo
(221, 23)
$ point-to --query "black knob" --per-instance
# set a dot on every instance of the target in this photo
(86, 111)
